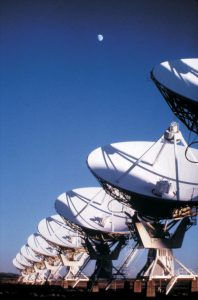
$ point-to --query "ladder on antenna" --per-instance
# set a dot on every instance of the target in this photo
(131, 255)
(122, 270)
(79, 273)
(171, 284)
(194, 216)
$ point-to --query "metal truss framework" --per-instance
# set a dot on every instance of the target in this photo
(185, 109)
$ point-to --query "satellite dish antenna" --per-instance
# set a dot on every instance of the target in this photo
(23, 261)
(41, 246)
(154, 177)
(101, 220)
(157, 180)
(51, 260)
(73, 254)
(29, 254)
(177, 80)
(95, 211)
(57, 232)
(17, 264)
(25, 267)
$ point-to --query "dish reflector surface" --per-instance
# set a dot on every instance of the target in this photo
(56, 231)
(178, 83)
(17, 264)
(92, 208)
(115, 165)
(29, 254)
(41, 246)
(23, 261)
(180, 76)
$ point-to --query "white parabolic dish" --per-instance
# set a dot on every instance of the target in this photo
(113, 164)
(23, 261)
(92, 208)
(41, 246)
(28, 253)
(179, 76)
(56, 231)
(17, 264)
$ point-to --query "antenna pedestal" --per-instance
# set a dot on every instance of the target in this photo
(158, 238)
(41, 272)
(160, 264)
(103, 252)
(28, 276)
(157, 235)
(75, 265)
(53, 265)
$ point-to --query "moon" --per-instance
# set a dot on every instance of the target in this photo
(100, 37)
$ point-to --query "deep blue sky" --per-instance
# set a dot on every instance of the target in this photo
(64, 93)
